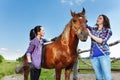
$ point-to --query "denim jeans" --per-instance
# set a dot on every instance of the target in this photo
(102, 67)
(75, 70)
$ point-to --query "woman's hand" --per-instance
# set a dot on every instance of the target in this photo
(54, 39)
(31, 65)
(97, 39)
(89, 33)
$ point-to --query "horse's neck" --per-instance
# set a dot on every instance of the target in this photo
(68, 37)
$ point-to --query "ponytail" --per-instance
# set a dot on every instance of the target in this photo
(33, 32)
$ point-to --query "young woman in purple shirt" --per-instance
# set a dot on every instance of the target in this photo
(99, 53)
(34, 51)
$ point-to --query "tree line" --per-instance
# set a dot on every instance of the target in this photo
(1, 58)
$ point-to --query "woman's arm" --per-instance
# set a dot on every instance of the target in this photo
(49, 40)
(103, 39)
(29, 51)
(99, 40)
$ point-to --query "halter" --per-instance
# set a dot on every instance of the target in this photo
(76, 30)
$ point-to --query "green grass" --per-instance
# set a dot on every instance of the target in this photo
(47, 74)
(8, 68)
(116, 64)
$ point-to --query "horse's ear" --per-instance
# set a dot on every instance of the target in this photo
(83, 11)
(72, 13)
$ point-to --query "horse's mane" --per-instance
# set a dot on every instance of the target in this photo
(66, 32)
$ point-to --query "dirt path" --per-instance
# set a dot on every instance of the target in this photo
(13, 77)
(116, 76)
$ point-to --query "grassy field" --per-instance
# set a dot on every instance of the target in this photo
(8, 68)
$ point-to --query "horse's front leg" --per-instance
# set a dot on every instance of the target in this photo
(67, 73)
(58, 73)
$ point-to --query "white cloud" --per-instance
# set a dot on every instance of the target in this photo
(70, 2)
(11, 54)
(92, 0)
(79, 2)
(73, 2)
(3, 49)
(115, 51)
(18, 50)
(63, 1)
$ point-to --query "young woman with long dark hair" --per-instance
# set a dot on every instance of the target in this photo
(100, 54)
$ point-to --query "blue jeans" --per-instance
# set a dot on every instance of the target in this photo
(102, 67)
(75, 70)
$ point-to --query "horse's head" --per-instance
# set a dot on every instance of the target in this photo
(79, 25)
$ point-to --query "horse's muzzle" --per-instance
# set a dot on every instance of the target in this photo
(83, 35)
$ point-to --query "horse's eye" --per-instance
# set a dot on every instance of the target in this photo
(74, 20)
(86, 21)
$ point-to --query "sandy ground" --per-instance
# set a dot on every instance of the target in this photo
(116, 76)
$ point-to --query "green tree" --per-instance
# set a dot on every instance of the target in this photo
(19, 59)
(1, 58)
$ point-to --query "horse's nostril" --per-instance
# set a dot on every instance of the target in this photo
(82, 33)
(84, 40)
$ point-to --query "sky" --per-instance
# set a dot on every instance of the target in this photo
(18, 17)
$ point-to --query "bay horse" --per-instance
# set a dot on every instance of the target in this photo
(62, 53)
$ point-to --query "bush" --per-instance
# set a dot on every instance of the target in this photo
(1, 58)
(19, 59)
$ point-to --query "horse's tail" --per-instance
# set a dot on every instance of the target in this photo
(19, 68)
(22, 66)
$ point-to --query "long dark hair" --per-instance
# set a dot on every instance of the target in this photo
(33, 32)
(106, 22)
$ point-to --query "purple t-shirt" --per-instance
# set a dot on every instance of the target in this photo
(35, 51)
